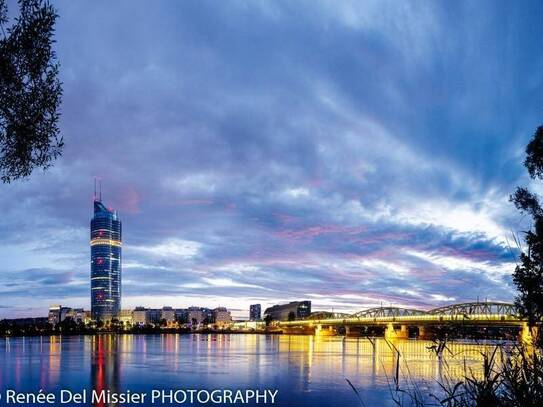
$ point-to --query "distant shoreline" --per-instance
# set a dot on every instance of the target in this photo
(225, 332)
(162, 332)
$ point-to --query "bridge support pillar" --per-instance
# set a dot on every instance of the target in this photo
(324, 331)
(404, 332)
(423, 333)
(318, 330)
(527, 334)
(391, 333)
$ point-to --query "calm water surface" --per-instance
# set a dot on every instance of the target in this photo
(307, 370)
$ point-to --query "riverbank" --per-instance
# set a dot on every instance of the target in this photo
(135, 331)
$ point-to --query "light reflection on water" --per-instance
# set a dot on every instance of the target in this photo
(306, 370)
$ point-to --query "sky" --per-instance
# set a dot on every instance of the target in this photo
(354, 154)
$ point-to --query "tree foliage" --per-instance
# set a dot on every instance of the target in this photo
(534, 155)
(528, 276)
(30, 91)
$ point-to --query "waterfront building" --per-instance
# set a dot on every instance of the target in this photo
(76, 314)
(54, 314)
(292, 310)
(255, 312)
(139, 316)
(126, 317)
(181, 315)
(64, 311)
(222, 317)
(154, 315)
(147, 316)
(168, 314)
(208, 315)
(106, 238)
(58, 313)
(195, 316)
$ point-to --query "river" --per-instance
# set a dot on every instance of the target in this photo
(305, 370)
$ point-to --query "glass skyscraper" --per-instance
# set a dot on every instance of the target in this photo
(105, 263)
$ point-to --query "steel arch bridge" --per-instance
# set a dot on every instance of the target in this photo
(489, 313)
(463, 309)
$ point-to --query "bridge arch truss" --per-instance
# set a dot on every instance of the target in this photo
(477, 308)
(387, 312)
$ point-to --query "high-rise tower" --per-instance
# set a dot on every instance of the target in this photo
(105, 262)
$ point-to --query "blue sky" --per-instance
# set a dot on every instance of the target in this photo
(349, 153)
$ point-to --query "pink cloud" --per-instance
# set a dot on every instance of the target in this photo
(128, 200)
(286, 219)
(317, 230)
(189, 202)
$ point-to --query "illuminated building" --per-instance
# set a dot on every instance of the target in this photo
(154, 315)
(88, 316)
(195, 316)
(222, 317)
(147, 316)
(255, 312)
(181, 315)
(126, 316)
(139, 316)
(58, 314)
(168, 314)
(54, 314)
(105, 263)
(208, 315)
(292, 310)
(76, 314)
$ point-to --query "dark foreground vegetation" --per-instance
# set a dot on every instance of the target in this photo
(511, 376)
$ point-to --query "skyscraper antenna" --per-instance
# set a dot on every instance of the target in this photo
(94, 196)
(100, 184)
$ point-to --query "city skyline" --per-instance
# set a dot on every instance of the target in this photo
(275, 152)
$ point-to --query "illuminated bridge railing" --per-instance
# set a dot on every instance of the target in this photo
(320, 315)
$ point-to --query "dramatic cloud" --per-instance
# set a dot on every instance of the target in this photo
(353, 154)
